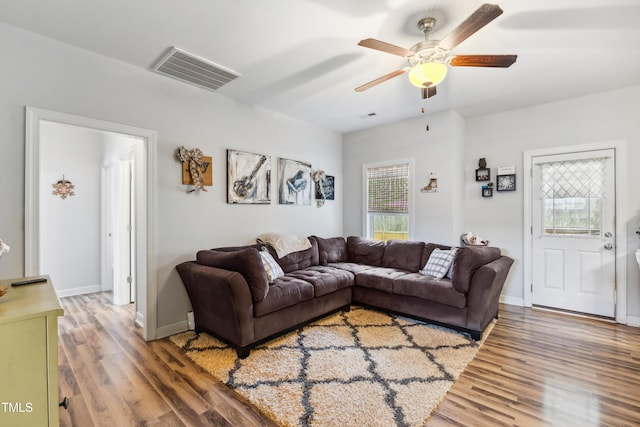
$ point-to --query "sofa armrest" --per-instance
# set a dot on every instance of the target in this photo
(221, 301)
(483, 298)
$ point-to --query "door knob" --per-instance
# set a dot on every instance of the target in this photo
(608, 234)
(608, 246)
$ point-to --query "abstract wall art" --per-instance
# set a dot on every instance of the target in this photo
(295, 183)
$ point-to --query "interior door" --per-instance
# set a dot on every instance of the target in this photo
(573, 241)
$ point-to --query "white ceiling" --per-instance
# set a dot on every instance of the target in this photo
(300, 57)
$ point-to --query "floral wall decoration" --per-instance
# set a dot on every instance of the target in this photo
(196, 168)
(63, 188)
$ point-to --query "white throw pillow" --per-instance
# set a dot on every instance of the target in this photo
(271, 267)
(439, 263)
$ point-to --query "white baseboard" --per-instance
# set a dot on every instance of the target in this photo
(173, 328)
(78, 291)
(633, 321)
(139, 319)
(509, 300)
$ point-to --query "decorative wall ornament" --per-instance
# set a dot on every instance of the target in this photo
(248, 178)
(432, 186)
(3, 248)
(506, 178)
(196, 167)
(63, 188)
(294, 182)
(328, 187)
(318, 177)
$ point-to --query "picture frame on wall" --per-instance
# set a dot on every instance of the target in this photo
(248, 178)
(483, 174)
(506, 182)
(487, 192)
(294, 182)
(328, 185)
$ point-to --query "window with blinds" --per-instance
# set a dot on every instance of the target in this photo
(388, 201)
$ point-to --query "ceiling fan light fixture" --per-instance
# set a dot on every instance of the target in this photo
(427, 74)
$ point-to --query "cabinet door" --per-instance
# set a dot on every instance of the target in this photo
(23, 373)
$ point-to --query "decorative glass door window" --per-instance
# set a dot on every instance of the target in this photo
(571, 193)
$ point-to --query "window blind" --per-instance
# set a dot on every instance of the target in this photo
(388, 189)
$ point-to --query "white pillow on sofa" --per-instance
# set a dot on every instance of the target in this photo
(271, 267)
(439, 263)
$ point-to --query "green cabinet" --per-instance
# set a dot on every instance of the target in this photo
(29, 355)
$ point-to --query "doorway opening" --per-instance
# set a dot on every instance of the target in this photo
(574, 243)
(137, 157)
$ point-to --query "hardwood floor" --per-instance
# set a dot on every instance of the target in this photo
(535, 369)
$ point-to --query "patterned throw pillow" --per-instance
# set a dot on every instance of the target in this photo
(439, 263)
(271, 267)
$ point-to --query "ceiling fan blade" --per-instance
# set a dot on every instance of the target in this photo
(385, 47)
(379, 80)
(428, 92)
(499, 61)
(478, 19)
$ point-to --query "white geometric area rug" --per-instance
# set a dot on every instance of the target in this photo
(356, 368)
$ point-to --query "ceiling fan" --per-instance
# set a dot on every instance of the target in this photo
(428, 60)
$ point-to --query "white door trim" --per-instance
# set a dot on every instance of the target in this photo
(146, 220)
(620, 148)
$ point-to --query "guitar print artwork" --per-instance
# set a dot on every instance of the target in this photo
(243, 186)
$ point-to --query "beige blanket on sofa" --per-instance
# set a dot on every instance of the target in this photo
(284, 244)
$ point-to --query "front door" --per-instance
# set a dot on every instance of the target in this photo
(573, 241)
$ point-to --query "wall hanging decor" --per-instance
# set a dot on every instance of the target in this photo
(248, 178)
(487, 190)
(318, 178)
(328, 187)
(63, 188)
(432, 186)
(196, 168)
(294, 180)
(483, 173)
(506, 178)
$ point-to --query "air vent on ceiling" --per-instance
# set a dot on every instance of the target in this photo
(191, 69)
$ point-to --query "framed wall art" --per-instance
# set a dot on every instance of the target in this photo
(328, 187)
(248, 178)
(294, 182)
(506, 182)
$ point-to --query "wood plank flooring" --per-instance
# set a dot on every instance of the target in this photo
(536, 369)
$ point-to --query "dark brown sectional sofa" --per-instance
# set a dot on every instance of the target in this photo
(232, 299)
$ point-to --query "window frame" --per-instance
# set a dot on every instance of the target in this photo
(366, 223)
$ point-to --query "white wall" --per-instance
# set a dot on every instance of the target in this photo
(438, 217)
(70, 228)
(503, 138)
(40, 72)
(453, 146)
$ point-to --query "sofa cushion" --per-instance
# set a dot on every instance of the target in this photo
(428, 248)
(350, 266)
(271, 267)
(297, 260)
(439, 263)
(283, 292)
(403, 254)
(379, 278)
(246, 262)
(467, 261)
(325, 279)
(331, 250)
(428, 288)
(365, 251)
